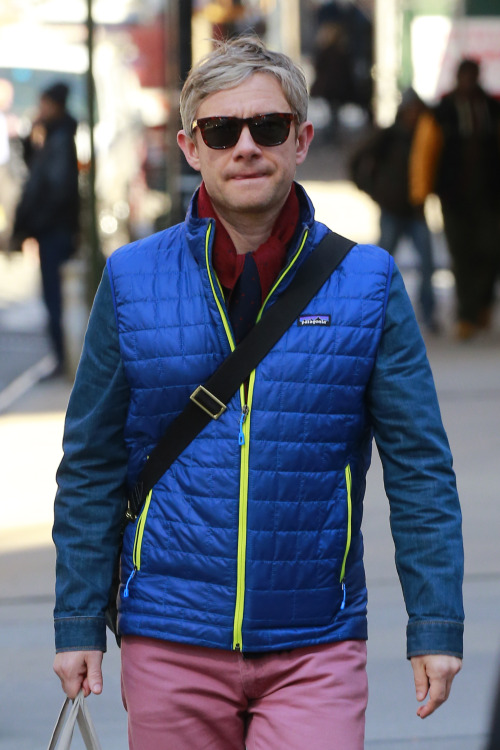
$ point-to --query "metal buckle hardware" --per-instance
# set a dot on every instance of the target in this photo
(208, 402)
(134, 501)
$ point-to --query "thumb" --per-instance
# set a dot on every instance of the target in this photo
(94, 671)
(420, 677)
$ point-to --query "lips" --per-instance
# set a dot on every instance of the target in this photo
(250, 176)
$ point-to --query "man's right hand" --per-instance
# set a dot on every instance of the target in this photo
(79, 669)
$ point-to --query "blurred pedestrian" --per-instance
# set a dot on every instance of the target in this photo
(6, 95)
(380, 167)
(49, 205)
(456, 154)
(344, 57)
(7, 194)
(333, 80)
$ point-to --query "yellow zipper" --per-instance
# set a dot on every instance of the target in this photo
(139, 533)
(244, 440)
(244, 469)
(283, 274)
(136, 553)
(225, 321)
(348, 483)
(242, 521)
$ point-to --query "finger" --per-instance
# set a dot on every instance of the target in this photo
(442, 671)
(70, 674)
(420, 677)
(94, 672)
(79, 670)
(86, 688)
(438, 694)
(71, 686)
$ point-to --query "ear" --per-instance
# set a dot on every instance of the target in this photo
(189, 149)
(305, 134)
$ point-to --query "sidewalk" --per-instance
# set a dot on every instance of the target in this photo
(467, 378)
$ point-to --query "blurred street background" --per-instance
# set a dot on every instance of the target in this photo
(124, 63)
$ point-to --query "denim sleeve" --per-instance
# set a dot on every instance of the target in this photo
(419, 481)
(90, 500)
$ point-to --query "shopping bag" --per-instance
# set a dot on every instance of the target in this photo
(70, 714)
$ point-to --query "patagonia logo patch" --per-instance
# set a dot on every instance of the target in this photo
(314, 320)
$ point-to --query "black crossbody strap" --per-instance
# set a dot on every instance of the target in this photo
(209, 401)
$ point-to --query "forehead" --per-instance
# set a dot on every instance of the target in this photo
(258, 94)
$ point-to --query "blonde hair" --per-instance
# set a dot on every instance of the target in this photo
(229, 64)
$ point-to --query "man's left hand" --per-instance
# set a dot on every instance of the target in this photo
(433, 675)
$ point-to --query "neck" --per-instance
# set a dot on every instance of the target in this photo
(248, 232)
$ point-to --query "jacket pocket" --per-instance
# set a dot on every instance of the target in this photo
(348, 484)
(139, 533)
(136, 552)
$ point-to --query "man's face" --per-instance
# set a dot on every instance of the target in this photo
(247, 179)
(467, 82)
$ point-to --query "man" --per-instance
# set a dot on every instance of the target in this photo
(380, 167)
(456, 154)
(49, 205)
(243, 600)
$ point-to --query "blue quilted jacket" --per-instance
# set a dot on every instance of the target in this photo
(251, 540)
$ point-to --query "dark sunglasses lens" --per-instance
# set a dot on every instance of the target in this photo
(220, 132)
(270, 130)
(266, 130)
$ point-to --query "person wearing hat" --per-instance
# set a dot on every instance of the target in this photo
(49, 205)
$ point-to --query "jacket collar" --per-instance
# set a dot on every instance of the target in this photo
(196, 228)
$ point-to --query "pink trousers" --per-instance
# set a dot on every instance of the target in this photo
(194, 698)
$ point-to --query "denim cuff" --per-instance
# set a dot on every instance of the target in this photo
(80, 634)
(435, 637)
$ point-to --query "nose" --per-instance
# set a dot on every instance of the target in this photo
(246, 144)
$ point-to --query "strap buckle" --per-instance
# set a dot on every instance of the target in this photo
(134, 502)
(208, 402)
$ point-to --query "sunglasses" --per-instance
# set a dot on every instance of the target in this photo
(224, 132)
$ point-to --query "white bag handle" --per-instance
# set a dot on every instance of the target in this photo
(64, 728)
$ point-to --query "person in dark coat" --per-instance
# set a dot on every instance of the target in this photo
(333, 80)
(380, 167)
(456, 154)
(49, 205)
